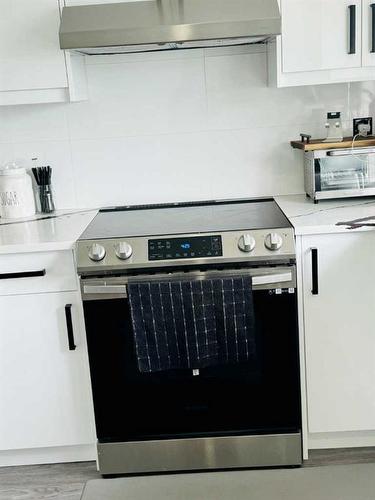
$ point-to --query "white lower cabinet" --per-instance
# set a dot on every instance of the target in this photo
(339, 331)
(45, 396)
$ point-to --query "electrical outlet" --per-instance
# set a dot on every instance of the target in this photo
(362, 121)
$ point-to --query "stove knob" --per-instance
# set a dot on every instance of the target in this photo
(273, 241)
(246, 243)
(97, 252)
(123, 250)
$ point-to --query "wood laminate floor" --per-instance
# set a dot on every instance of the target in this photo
(66, 481)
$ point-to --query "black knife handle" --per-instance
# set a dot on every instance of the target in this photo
(22, 274)
(372, 6)
(352, 28)
(69, 327)
(314, 271)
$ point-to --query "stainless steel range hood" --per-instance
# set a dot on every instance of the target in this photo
(142, 26)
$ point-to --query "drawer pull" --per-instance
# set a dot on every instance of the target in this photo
(69, 327)
(22, 274)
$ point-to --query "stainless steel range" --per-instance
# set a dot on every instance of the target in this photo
(232, 415)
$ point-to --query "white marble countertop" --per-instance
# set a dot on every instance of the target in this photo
(58, 231)
(310, 218)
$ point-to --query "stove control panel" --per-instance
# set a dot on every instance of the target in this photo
(142, 252)
(185, 248)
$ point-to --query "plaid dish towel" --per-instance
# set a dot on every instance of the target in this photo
(192, 324)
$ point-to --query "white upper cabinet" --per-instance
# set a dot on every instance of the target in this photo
(368, 33)
(29, 53)
(316, 34)
(33, 68)
(323, 42)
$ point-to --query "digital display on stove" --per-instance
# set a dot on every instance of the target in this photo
(185, 248)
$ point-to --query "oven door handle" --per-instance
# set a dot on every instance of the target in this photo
(269, 279)
(121, 289)
(105, 290)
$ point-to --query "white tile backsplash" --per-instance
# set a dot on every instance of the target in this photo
(39, 123)
(362, 99)
(170, 167)
(238, 96)
(6, 132)
(255, 162)
(148, 97)
(6, 152)
(180, 125)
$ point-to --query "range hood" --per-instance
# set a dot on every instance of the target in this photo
(142, 26)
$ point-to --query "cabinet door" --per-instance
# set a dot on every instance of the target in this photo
(368, 32)
(315, 35)
(45, 397)
(30, 55)
(339, 327)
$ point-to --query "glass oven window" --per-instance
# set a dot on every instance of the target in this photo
(259, 396)
(348, 172)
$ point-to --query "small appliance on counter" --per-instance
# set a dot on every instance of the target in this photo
(338, 170)
(16, 192)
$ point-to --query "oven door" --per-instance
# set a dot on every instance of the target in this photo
(258, 397)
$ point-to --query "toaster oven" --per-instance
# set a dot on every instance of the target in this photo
(339, 173)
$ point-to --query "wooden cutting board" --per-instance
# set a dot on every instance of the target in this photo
(318, 144)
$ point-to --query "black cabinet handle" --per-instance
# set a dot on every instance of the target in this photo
(372, 6)
(23, 274)
(69, 327)
(352, 28)
(314, 271)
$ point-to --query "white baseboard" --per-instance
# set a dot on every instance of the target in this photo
(320, 441)
(60, 454)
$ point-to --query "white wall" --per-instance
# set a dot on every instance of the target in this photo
(173, 126)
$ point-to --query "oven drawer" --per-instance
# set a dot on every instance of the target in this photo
(37, 272)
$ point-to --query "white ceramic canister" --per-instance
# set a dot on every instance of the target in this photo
(16, 193)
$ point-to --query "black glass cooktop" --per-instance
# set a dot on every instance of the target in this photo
(183, 218)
